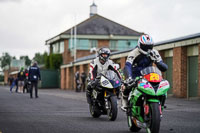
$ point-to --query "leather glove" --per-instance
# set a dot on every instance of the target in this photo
(129, 82)
(155, 56)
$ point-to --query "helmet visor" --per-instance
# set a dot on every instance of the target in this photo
(104, 55)
(146, 47)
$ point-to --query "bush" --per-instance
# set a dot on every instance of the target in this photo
(1, 78)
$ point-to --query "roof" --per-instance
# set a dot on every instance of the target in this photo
(93, 4)
(179, 39)
(98, 25)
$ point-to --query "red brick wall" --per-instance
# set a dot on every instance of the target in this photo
(180, 71)
(62, 84)
(162, 54)
(123, 62)
(103, 43)
(66, 52)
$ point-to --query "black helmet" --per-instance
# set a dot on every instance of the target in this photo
(104, 54)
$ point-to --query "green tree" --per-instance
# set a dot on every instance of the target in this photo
(5, 60)
(39, 58)
(55, 60)
(27, 60)
(46, 61)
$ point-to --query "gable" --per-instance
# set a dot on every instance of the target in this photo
(98, 25)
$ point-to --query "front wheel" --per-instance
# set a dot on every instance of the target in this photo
(154, 117)
(94, 111)
(112, 111)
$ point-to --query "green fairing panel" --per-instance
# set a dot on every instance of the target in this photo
(153, 100)
(136, 112)
(162, 90)
(135, 94)
(147, 90)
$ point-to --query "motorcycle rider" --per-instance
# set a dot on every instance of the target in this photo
(139, 58)
(101, 64)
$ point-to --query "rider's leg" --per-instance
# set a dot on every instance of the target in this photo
(125, 94)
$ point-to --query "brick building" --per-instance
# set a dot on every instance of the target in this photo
(180, 54)
(93, 33)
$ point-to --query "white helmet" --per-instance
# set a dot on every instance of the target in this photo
(145, 44)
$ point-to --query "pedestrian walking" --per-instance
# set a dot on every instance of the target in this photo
(34, 76)
(26, 84)
(83, 79)
(12, 85)
(77, 80)
(16, 83)
(21, 78)
(10, 80)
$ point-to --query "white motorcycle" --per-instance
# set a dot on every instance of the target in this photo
(104, 99)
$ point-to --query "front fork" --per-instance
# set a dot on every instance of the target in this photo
(106, 96)
(147, 109)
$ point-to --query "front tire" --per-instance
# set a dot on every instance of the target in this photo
(112, 111)
(154, 117)
(94, 111)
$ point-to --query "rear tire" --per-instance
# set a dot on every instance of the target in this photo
(112, 111)
(154, 117)
(94, 111)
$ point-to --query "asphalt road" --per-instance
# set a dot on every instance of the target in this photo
(58, 111)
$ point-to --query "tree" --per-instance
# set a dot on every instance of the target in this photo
(27, 60)
(55, 60)
(46, 61)
(39, 58)
(5, 60)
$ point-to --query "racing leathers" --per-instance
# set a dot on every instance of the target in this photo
(96, 67)
(136, 61)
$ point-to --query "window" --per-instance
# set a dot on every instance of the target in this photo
(113, 45)
(56, 48)
(62, 46)
(93, 43)
(82, 44)
(122, 44)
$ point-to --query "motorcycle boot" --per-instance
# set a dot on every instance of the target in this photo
(124, 102)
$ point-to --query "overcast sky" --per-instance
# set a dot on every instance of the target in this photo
(25, 25)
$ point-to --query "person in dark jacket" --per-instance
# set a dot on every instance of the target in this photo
(26, 84)
(77, 80)
(21, 78)
(33, 77)
(83, 79)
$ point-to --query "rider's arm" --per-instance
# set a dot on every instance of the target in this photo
(161, 66)
(93, 71)
(158, 61)
(129, 62)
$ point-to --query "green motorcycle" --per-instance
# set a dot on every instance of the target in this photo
(146, 101)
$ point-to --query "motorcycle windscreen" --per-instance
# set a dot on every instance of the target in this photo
(153, 77)
(113, 78)
(152, 74)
